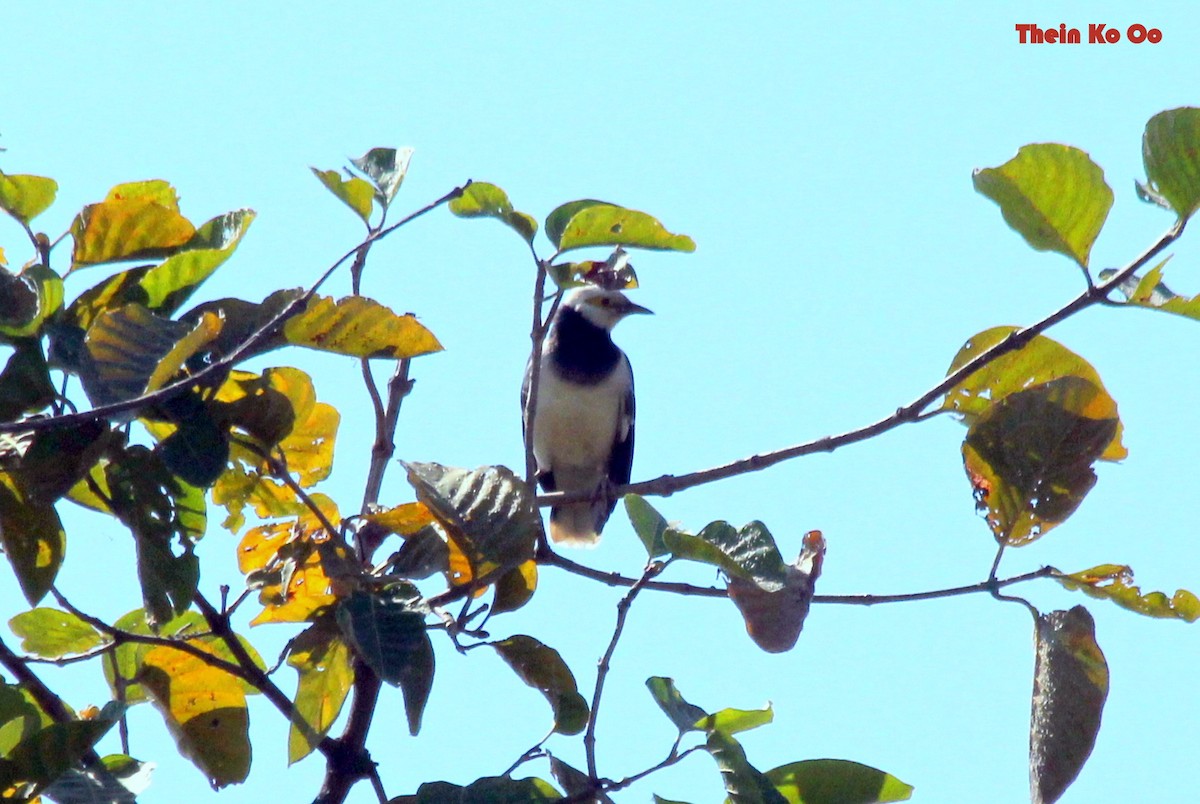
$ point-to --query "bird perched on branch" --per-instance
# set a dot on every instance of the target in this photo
(582, 430)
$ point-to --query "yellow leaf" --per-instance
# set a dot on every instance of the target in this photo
(403, 520)
(323, 661)
(135, 220)
(205, 710)
(360, 327)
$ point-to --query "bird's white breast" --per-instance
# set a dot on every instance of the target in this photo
(575, 425)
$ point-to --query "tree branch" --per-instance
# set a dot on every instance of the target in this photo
(665, 485)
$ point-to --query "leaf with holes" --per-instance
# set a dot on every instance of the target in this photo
(610, 225)
(1115, 582)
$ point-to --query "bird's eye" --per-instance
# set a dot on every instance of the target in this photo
(605, 301)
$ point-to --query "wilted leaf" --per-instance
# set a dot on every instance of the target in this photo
(749, 553)
(774, 617)
(205, 711)
(1054, 195)
(359, 327)
(1171, 154)
(1037, 362)
(26, 197)
(53, 634)
(386, 168)
(489, 514)
(1150, 291)
(542, 668)
(135, 220)
(322, 660)
(1070, 685)
(483, 200)
(610, 225)
(354, 192)
(387, 629)
(1029, 457)
(836, 781)
(1115, 582)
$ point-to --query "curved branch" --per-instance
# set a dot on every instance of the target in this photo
(914, 411)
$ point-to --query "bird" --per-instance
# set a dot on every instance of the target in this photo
(582, 424)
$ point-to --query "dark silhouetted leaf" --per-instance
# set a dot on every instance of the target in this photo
(575, 782)
(515, 587)
(1171, 154)
(1115, 582)
(542, 668)
(489, 790)
(1070, 685)
(32, 537)
(836, 781)
(25, 383)
(1038, 361)
(27, 300)
(388, 631)
(1029, 457)
(684, 715)
(744, 783)
(1053, 195)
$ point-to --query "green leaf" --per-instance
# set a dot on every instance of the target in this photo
(483, 200)
(386, 168)
(168, 285)
(26, 197)
(1029, 457)
(542, 668)
(1171, 154)
(649, 525)
(836, 781)
(135, 220)
(20, 717)
(1037, 362)
(488, 514)
(360, 327)
(732, 721)
(32, 537)
(45, 755)
(744, 783)
(387, 630)
(1070, 685)
(1115, 582)
(354, 192)
(28, 299)
(575, 782)
(610, 225)
(557, 220)
(749, 553)
(1054, 195)
(684, 715)
(53, 634)
(323, 661)
(123, 670)
(1150, 292)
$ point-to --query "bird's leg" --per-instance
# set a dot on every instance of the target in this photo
(605, 492)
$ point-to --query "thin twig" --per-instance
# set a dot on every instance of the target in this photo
(666, 485)
(589, 736)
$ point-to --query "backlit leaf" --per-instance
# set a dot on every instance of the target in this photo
(354, 192)
(1070, 685)
(648, 524)
(28, 299)
(25, 385)
(129, 656)
(1037, 362)
(323, 662)
(1115, 582)
(25, 197)
(1029, 457)
(135, 220)
(542, 668)
(205, 711)
(744, 783)
(1054, 195)
(836, 781)
(1150, 291)
(170, 284)
(360, 327)
(1171, 154)
(611, 225)
(386, 168)
(515, 587)
(732, 721)
(684, 715)
(481, 199)
(32, 537)
(404, 520)
(53, 634)
(489, 790)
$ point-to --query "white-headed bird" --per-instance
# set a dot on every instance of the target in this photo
(582, 428)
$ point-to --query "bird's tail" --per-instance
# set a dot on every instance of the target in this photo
(578, 524)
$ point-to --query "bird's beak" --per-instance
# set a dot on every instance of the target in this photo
(629, 308)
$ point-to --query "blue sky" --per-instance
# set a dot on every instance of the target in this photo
(821, 157)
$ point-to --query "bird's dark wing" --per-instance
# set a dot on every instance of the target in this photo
(620, 460)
